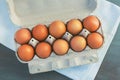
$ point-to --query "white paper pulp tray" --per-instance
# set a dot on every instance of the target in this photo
(27, 13)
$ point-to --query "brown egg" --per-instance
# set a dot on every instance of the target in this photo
(25, 52)
(40, 32)
(78, 43)
(43, 50)
(22, 36)
(57, 29)
(60, 47)
(95, 40)
(91, 23)
(74, 26)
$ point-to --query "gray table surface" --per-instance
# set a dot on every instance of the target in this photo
(110, 69)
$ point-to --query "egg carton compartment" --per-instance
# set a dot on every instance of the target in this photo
(28, 13)
(67, 36)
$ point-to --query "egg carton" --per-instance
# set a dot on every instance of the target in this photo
(27, 13)
(70, 59)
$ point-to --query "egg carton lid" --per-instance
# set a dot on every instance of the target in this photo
(30, 12)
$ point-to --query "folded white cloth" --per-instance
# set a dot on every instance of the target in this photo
(109, 15)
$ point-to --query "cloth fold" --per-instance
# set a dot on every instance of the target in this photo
(108, 13)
